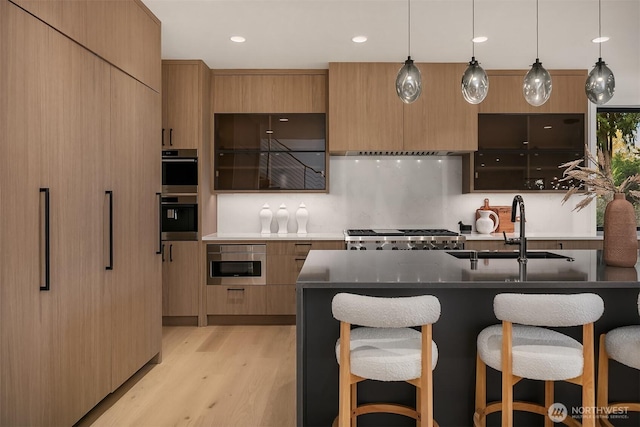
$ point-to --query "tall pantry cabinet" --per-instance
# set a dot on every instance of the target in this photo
(80, 284)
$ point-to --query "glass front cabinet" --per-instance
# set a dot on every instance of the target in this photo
(522, 152)
(270, 152)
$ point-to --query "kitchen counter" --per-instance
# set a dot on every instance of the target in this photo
(532, 236)
(466, 293)
(272, 236)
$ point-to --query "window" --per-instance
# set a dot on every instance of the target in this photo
(617, 132)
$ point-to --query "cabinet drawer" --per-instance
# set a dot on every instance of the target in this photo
(281, 300)
(236, 299)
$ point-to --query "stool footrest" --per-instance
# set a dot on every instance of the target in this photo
(518, 405)
(391, 408)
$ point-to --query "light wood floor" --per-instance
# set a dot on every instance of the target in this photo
(219, 376)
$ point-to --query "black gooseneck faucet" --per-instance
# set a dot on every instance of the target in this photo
(522, 241)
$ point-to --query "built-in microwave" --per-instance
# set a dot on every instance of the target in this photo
(179, 217)
(237, 264)
(180, 171)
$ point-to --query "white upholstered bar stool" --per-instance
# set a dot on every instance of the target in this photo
(522, 347)
(622, 345)
(386, 348)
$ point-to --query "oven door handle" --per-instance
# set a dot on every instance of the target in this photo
(179, 160)
(160, 245)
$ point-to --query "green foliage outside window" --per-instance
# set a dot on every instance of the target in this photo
(617, 133)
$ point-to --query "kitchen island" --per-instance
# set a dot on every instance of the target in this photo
(465, 289)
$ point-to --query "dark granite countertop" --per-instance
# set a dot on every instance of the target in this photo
(583, 268)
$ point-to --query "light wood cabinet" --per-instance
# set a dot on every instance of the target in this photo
(186, 123)
(281, 300)
(57, 98)
(181, 278)
(278, 297)
(441, 120)
(64, 111)
(284, 262)
(181, 104)
(123, 32)
(366, 115)
(269, 91)
(134, 178)
(26, 333)
(505, 93)
(551, 244)
(236, 300)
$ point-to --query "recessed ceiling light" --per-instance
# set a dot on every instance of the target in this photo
(480, 39)
(359, 39)
(238, 39)
(600, 39)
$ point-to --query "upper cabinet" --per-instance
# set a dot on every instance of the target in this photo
(182, 103)
(505, 93)
(124, 33)
(521, 146)
(440, 120)
(366, 115)
(269, 91)
(522, 152)
(270, 152)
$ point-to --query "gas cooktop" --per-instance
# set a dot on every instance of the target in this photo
(389, 232)
(401, 238)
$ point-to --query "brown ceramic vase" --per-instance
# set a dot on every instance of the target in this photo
(620, 237)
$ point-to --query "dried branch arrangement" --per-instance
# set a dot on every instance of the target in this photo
(597, 178)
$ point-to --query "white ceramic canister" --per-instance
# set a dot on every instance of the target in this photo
(302, 217)
(265, 219)
(282, 217)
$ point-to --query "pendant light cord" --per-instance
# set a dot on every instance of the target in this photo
(409, 27)
(600, 29)
(473, 28)
(537, 29)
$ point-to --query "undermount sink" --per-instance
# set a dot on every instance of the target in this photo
(506, 255)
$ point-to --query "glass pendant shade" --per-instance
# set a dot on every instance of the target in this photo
(537, 85)
(408, 82)
(475, 83)
(600, 84)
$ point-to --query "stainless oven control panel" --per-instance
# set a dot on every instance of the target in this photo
(236, 264)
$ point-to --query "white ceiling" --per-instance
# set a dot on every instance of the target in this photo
(312, 33)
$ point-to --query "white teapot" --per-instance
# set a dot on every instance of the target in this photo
(484, 224)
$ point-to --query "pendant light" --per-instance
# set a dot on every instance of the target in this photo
(537, 83)
(409, 80)
(475, 83)
(600, 83)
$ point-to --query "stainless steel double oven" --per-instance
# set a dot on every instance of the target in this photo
(179, 202)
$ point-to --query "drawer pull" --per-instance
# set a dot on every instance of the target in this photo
(235, 289)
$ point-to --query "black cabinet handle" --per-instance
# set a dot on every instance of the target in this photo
(171, 136)
(235, 289)
(110, 194)
(47, 242)
(160, 245)
(171, 252)
(163, 137)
